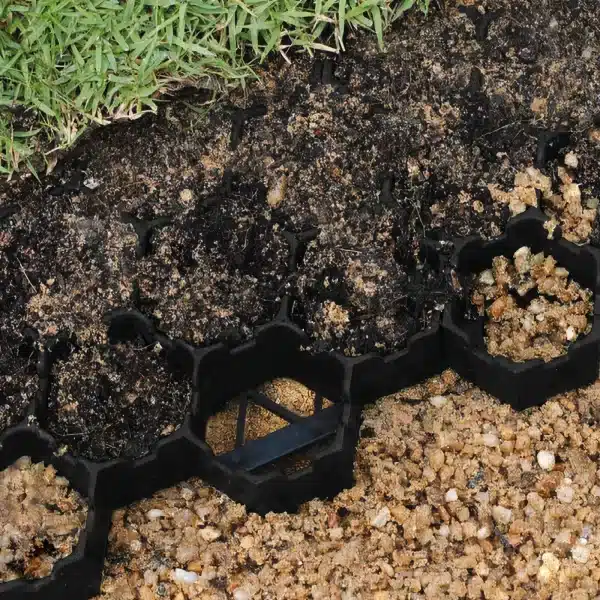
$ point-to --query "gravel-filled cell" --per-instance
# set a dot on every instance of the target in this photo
(222, 427)
(220, 270)
(534, 308)
(41, 518)
(115, 401)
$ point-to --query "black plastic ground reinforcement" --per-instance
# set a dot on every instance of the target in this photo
(312, 456)
(529, 383)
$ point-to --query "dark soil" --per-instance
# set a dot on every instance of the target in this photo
(181, 214)
(115, 401)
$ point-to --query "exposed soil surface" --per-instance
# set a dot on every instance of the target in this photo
(259, 422)
(115, 401)
(456, 496)
(378, 150)
(40, 520)
(534, 309)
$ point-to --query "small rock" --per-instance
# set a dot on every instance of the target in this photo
(553, 23)
(571, 160)
(565, 494)
(444, 530)
(241, 594)
(438, 401)
(187, 577)
(451, 495)
(437, 459)
(571, 334)
(544, 573)
(91, 183)
(546, 460)
(580, 554)
(276, 194)
(186, 195)
(483, 533)
(155, 513)
(247, 542)
(487, 277)
(502, 514)
(382, 517)
(587, 53)
(337, 533)
(522, 259)
(210, 534)
(490, 440)
(197, 566)
(551, 561)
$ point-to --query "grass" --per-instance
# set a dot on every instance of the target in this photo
(67, 63)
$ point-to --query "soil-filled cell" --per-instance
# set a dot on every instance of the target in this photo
(115, 401)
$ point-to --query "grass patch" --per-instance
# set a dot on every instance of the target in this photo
(67, 63)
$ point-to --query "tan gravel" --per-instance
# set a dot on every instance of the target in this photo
(40, 520)
(542, 327)
(450, 501)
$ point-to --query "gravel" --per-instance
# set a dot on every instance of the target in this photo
(435, 513)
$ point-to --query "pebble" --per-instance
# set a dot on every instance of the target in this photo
(487, 277)
(186, 195)
(438, 401)
(483, 533)
(241, 594)
(546, 460)
(571, 334)
(451, 495)
(580, 554)
(155, 513)
(490, 440)
(444, 530)
(551, 561)
(276, 194)
(182, 576)
(210, 534)
(571, 160)
(565, 494)
(502, 514)
(382, 517)
(437, 459)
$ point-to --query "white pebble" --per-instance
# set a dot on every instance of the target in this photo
(187, 577)
(544, 573)
(553, 23)
(546, 460)
(551, 561)
(487, 277)
(571, 335)
(502, 514)
(565, 494)
(241, 594)
(571, 160)
(451, 495)
(483, 533)
(444, 530)
(490, 440)
(438, 401)
(155, 513)
(382, 517)
(210, 534)
(580, 554)
(586, 54)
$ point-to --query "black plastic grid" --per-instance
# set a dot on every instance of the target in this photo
(257, 473)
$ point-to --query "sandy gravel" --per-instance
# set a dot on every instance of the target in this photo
(456, 496)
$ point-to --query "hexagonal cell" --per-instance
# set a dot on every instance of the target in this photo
(257, 413)
(18, 378)
(280, 444)
(52, 541)
(115, 401)
(543, 333)
(41, 518)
